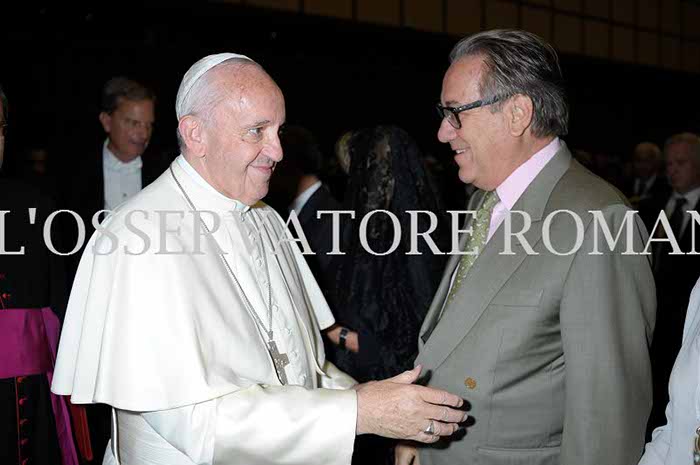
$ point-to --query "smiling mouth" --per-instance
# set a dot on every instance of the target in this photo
(459, 151)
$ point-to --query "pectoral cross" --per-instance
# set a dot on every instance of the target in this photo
(280, 361)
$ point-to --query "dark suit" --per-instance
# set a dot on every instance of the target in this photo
(319, 233)
(84, 190)
(650, 202)
(675, 277)
(551, 351)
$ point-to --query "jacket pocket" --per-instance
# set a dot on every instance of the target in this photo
(518, 456)
(517, 298)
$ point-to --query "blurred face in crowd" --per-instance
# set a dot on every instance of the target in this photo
(241, 137)
(645, 162)
(682, 167)
(478, 145)
(129, 128)
(2, 134)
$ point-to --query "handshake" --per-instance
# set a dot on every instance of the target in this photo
(396, 408)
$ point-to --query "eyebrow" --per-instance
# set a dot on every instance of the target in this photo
(263, 122)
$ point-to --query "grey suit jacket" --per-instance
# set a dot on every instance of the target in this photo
(550, 350)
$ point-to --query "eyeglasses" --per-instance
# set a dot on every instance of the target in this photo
(452, 113)
(3, 129)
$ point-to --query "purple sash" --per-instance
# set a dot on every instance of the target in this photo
(28, 342)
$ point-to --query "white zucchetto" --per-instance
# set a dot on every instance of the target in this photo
(195, 72)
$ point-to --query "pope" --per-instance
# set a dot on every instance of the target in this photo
(195, 317)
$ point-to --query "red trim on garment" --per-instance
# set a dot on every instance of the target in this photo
(19, 445)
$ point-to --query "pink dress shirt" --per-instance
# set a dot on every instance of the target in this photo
(513, 187)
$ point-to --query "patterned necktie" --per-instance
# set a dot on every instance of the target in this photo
(477, 240)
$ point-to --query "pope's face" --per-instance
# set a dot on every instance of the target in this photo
(242, 136)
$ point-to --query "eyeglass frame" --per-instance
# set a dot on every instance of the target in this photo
(469, 106)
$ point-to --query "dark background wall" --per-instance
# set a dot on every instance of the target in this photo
(335, 73)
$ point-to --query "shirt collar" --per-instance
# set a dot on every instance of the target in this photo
(233, 204)
(513, 187)
(304, 197)
(112, 163)
(691, 196)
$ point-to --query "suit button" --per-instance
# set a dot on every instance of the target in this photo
(470, 383)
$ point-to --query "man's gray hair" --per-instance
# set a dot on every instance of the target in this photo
(519, 62)
(204, 96)
(688, 138)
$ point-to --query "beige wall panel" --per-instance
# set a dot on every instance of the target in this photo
(379, 11)
(623, 44)
(598, 8)
(538, 21)
(463, 16)
(567, 34)
(691, 56)
(501, 13)
(691, 20)
(648, 13)
(670, 16)
(623, 11)
(568, 5)
(597, 39)
(647, 48)
(289, 5)
(425, 15)
(335, 8)
(670, 53)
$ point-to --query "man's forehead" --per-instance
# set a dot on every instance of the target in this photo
(462, 79)
(680, 152)
(126, 104)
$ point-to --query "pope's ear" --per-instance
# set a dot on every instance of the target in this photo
(106, 121)
(192, 134)
(519, 111)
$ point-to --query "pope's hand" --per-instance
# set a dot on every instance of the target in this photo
(396, 408)
(406, 454)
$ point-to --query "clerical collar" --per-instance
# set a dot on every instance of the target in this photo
(187, 168)
(112, 163)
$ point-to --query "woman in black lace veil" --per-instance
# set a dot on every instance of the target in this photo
(383, 299)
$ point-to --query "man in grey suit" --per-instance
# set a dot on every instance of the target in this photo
(545, 338)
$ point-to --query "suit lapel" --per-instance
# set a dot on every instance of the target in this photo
(431, 318)
(492, 268)
(307, 212)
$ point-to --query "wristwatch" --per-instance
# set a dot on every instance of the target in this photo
(343, 338)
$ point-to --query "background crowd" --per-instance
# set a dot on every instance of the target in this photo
(95, 160)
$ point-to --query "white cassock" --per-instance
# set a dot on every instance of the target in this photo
(165, 338)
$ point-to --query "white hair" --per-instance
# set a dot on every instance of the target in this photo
(204, 95)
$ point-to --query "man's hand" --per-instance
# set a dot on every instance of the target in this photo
(406, 454)
(395, 408)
